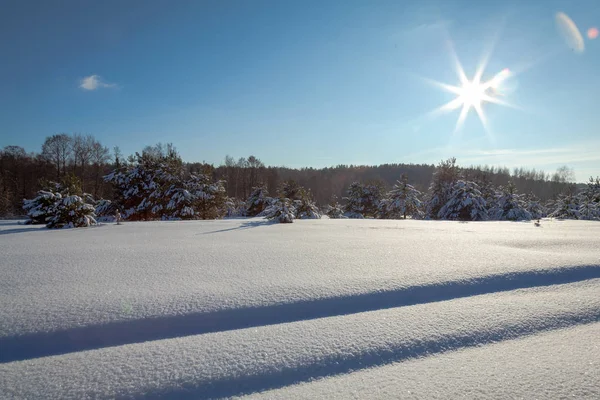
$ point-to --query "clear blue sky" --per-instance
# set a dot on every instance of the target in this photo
(302, 83)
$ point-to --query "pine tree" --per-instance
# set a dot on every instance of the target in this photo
(71, 212)
(235, 208)
(181, 204)
(291, 190)
(335, 209)
(257, 201)
(141, 185)
(105, 210)
(305, 206)
(363, 200)
(42, 207)
(441, 188)
(509, 205)
(566, 207)
(208, 198)
(535, 207)
(488, 191)
(589, 201)
(589, 210)
(401, 201)
(282, 210)
(465, 204)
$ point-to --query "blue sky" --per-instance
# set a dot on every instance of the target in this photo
(303, 83)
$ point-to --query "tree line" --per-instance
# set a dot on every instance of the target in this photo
(83, 158)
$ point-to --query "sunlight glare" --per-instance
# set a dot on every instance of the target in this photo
(473, 93)
(570, 33)
(592, 33)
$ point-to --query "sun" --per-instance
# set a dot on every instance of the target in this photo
(473, 93)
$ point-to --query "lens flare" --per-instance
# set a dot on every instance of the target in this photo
(593, 33)
(570, 33)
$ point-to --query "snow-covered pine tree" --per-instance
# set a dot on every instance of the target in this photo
(401, 201)
(257, 201)
(234, 208)
(209, 197)
(440, 191)
(566, 206)
(180, 205)
(105, 210)
(305, 206)
(71, 212)
(270, 201)
(535, 207)
(141, 184)
(363, 200)
(589, 201)
(488, 191)
(465, 204)
(589, 210)
(282, 210)
(290, 190)
(334, 209)
(195, 198)
(509, 205)
(42, 207)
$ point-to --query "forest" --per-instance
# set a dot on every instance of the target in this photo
(86, 161)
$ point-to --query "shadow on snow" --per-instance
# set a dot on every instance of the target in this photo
(245, 225)
(27, 346)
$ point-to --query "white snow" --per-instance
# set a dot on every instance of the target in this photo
(233, 307)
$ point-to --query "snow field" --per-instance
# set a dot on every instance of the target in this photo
(227, 308)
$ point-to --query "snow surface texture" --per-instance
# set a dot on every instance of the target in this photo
(373, 308)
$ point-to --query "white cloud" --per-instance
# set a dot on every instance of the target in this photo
(94, 82)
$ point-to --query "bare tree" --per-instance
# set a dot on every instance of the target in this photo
(57, 150)
(99, 156)
(82, 152)
(564, 174)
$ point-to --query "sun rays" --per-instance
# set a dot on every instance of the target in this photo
(473, 94)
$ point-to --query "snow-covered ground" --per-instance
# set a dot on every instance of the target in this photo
(317, 308)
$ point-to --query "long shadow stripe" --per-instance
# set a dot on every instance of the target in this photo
(331, 366)
(28, 346)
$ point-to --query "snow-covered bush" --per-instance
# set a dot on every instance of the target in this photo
(510, 206)
(535, 207)
(282, 210)
(270, 202)
(401, 201)
(257, 201)
(290, 189)
(334, 210)
(589, 210)
(105, 210)
(565, 207)
(42, 207)
(234, 208)
(306, 207)
(363, 200)
(465, 204)
(71, 212)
